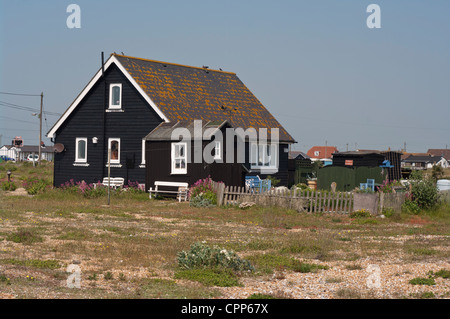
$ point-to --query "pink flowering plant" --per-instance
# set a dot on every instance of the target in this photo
(35, 186)
(202, 194)
(91, 190)
(94, 190)
(134, 187)
(387, 186)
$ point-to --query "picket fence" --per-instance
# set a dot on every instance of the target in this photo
(297, 199)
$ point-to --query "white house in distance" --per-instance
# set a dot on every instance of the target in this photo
(47, 152)
(9, 151)
(424, 161)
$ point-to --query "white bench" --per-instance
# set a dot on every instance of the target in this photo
(113, 182)
(181, 191)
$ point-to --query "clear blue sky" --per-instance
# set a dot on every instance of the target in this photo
(314, 64)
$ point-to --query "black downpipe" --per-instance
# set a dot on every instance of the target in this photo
(104, 117)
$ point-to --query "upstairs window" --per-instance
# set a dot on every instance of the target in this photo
(179, 158)
(115, 96)
(81, 150)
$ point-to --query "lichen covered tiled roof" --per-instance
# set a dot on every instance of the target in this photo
(185, 93)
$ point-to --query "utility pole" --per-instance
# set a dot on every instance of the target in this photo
(40, 128)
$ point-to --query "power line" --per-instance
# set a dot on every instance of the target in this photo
(13, 119)
(26, 108)
(19, 129)
(360, 123)
(20, 94)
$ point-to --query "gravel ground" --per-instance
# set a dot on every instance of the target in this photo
(340, 282)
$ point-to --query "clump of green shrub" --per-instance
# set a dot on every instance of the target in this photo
(444, 273)
(24, 236)
(207, 199)
(422, 281)
(424, 193)
(4, 279)
(35, 263)
(210, 277)
(202, 256)
(267, 263)
(202, 194)
(302, 186)
(361, 213)
(35, 186)
(211, 266)
(410, 206)
(8, 186)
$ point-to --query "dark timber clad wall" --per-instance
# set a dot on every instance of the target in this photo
(137, 120)
(158, 155)
(283, 167)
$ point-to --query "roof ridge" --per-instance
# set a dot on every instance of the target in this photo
(170, 63)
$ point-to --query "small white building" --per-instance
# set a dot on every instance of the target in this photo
(424, 162)
(47, 152)
(9, 151)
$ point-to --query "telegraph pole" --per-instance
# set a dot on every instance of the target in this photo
(40, 128)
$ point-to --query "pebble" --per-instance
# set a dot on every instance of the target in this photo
(339, 282)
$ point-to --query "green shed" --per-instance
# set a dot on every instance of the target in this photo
(348, 178)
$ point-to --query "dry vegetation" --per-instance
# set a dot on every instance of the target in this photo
(129, 249)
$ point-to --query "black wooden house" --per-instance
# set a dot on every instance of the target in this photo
(129, 102)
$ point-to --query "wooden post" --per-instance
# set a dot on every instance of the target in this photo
(315, 201)
(109, 175)
(345, 202)
(220, 193)
(333, 199)
(40, 129)
(310, 202)
(320, 202)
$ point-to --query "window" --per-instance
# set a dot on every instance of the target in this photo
(115, 96)
(81, 150)
(218, 150)
(179, 158)
(114, 146)
(143, 154)
(263, 155)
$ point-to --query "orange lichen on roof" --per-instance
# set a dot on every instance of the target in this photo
(170, 63)
(191, 93)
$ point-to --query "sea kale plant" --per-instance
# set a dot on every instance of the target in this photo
(203, 256)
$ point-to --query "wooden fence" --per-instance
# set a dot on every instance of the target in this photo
(297, 199)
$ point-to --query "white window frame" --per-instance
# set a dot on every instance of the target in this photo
(218, 150)
(267, 161)
(77, 159)
(111, 105)
(110, 140)
(143, 154)
(175, 170)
